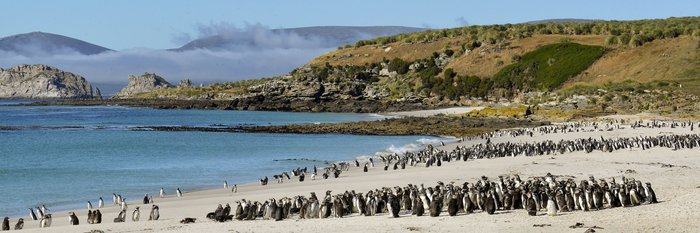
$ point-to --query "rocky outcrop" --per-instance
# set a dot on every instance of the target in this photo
(140, 84)
(42, 82)
(185, 83)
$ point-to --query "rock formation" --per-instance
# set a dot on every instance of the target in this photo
(185, 83)
(42, 82)
(144, 83)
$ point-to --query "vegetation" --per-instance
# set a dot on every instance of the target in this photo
(636, 32)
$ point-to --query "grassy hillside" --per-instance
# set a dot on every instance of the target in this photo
(547, 67)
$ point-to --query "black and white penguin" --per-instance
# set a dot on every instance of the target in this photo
(161, 193)
(531, 206)
(435, 206)
(235, 188)
(155, 213)
(146, 200)
(6, 224)
(453, 205)
(20, 224)
(45, 221)
(136, 215)
(74, 219)
(226, 185)
(98, 217)
(101, 203)
(365, 168)
(490, 203)
(420, 210)
(179, 193)
(121, 216)
(394, 205)
(651, 195)
(90, 217)
(89, 205)
(32, 215)
(467, 204)
(279, 212)
(551, 204)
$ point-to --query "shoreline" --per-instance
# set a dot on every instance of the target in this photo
(196, 204)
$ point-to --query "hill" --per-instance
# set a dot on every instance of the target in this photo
(327, 36)
(596, 66)
(42, 43)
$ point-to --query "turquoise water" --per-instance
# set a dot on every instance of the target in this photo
(63, 168)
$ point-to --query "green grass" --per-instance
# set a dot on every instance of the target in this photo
(548, 67)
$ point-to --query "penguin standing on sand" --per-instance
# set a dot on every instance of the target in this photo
(226, 185)
(89, 205)
(136, 215)
(235, 188)
(90, 217)
(45, 221)
(179, 193)
(32, 214)
(98, 217)
(551, 204)
(394, 205)
(162, 192)
(145, 199)
(101, 203)
(74, 219)
(490, 203)
(6, 224)
(20, 224)
(651, 195)
(114, 199)
(365, 168)
(531, 206)
(155, 213)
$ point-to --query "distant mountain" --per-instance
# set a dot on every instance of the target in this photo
(329, 36)
(42, 43)
(563, 20)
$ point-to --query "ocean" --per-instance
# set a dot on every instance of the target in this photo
(64, 156)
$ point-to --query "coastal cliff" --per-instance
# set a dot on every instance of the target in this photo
(43, 82)
(140, 84)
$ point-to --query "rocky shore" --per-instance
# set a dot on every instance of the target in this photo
(435, 126)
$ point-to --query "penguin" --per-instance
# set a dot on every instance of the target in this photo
(120, 217)
(162, 192)
(90, 217)
(420, 210)
(531, 206)
(453, 205)
(32, 215)
(365, 168)
(44, 209)
(279, 212)
(101, 203)
(114, 199)
(651, 195)
(490, 203)
(394, 206)
(20, 224)
(235, 188)
(136, 215)
(6, 224)
(145, 199)
(179, 193)
(98, 217)
(155, 213)
(45, 221)
(468, 204)
(40, 214)
(225, 185)
(435, 207)
(74, 219)
(551, 204)
(89, 205)
(124, 206)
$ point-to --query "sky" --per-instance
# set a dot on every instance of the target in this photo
(162, 24)
(141, 30)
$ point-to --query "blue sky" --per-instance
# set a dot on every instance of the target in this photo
(156, 23)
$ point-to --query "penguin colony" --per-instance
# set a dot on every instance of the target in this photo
(536, 195)
(510, 194)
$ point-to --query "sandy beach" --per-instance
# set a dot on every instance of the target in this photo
(676, 186)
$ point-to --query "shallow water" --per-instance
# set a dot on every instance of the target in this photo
(63, 168)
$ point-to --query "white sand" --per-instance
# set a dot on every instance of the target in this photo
(676, 188)
(427, 113)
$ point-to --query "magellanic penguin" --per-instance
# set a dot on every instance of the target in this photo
(45, 221)
(20, 224)
(179, 193)
(6, 224)
(98, 217)
(531, 206)
(155, 213)
(453, 204)
(90, 217)
(551, 204)
(162, 192)
(89, 205)
(121, 216)
(101, 203)
(394, 205)
(651, 195)
(32, 215)
(490, 202)
(74, 219)
(136, 215)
